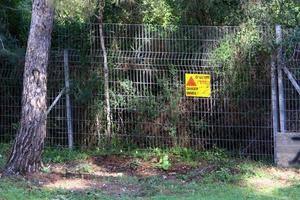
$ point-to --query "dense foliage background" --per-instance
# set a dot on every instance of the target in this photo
(242, 57)
(15, 14)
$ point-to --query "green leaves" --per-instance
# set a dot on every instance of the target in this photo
(240, 59)
(75, 10)
(158, 12)
(164, 162)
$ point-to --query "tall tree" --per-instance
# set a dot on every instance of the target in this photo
(25, 156)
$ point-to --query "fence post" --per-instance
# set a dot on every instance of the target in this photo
(280, 79)
(68, 102)
(274, 104)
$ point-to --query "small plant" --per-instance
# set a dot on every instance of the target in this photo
(224, 175)
(185, 154)
(134, 164)
(215, 155)
(85, 168)
(164, 162)
(46, 170)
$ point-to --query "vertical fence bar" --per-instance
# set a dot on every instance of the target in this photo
(280, 79)
(274, 104)
(68, 101)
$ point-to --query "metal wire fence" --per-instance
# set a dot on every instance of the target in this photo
(10, 90)
(149, 108)
(291, 59)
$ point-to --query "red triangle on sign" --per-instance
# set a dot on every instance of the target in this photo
(191, 82)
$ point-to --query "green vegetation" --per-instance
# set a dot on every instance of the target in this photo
(177, 172)
(207, 192)
(15, 14)
(21, 190)
(242, 58)
(222, 178)
(164, 162)
(63, 155)
(52, 155)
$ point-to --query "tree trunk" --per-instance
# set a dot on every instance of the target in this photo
(105, 69)
(25, 156)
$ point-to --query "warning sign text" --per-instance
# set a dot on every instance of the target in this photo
(197, 85)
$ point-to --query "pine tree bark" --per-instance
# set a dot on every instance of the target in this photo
(25, 156)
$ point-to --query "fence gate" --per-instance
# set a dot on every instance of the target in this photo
(287, 151)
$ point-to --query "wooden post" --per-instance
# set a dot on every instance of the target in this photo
(274, 105)
(280, 79)
(68, 102)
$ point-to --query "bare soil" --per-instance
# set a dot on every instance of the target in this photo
(110, 175)
(94, 172)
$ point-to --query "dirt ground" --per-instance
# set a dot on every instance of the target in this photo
(99, 173)
(110, 174)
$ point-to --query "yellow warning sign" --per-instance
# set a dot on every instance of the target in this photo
(197, 85)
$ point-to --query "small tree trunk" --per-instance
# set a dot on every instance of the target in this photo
(105, 69)
(25, 156)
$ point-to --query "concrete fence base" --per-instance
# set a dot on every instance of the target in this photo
(287, 149)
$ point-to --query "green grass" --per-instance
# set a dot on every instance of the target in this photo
(51, 155)
(153, 188)
(185, 155)
(230, 179)
(20, 190)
